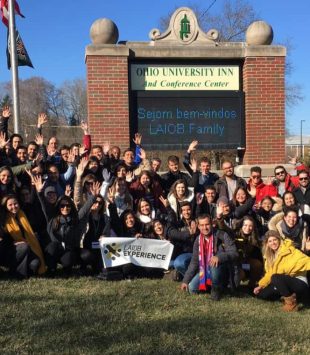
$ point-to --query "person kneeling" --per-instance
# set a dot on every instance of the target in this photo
(213, 253)
(286, 269)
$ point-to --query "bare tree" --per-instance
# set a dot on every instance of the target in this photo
(74, 100)
(293, 91)
(232, 20)
(37, 95)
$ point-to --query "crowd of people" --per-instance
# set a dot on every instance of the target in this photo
(57, 201)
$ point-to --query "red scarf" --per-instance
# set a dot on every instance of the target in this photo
(205, 255)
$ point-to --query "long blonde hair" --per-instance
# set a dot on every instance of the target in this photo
(270, 255)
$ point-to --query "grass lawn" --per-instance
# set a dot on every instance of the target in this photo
(88, 316)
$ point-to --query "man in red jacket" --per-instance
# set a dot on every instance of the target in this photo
(283, 181)
(256, 182)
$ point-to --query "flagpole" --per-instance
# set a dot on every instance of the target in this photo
(14, 67)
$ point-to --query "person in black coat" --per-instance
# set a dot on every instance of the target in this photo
(302, 192)
(174, 174)
(65, 229)
(206, 202)
(98, 225)
(182, 234)
(202, 177)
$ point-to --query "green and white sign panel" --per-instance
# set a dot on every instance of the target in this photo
(199, 77)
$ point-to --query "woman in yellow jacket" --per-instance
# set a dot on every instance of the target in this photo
(285, 272)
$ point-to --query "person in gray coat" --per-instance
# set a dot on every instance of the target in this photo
(213, 253)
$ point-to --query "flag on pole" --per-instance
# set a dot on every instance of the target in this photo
(4, 10)
(23, 58)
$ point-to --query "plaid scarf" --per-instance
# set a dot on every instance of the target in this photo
(205, 255)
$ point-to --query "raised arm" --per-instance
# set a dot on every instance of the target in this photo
(4, 120)
(187, 156)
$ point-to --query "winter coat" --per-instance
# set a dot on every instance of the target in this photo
(263, 190)
(222, 187)
(68, 233)
(199, 182)
(169, 178)
(275, 224)
(136, 168)
(224, 248)
(137, 191)
(206, 208)
(288, 183)
(179, 235)
(175, 205)
(302, 198)
(95, 229)
(290, 261)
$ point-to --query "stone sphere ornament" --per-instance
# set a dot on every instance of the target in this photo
(104, 31)
(259, 33)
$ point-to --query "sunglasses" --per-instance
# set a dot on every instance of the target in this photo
(65, 206)
(280, 172)
(303, 178)
(255, 176)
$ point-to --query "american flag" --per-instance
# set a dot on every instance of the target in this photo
(4, 11)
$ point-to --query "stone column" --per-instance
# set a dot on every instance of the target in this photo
(107, 85)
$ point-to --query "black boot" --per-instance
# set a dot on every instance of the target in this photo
(215, 293)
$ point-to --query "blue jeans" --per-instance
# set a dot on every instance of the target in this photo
(217, 274)
(181, 262)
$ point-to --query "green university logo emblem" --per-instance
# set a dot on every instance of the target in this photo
(185, 28)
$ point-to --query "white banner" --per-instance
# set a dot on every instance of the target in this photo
(142, 252)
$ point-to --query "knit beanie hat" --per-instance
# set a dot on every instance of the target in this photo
(223, 200)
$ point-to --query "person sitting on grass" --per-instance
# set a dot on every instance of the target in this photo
(98, 225)
(213, 253)
(129, 226)
(65, 228)
(285, 272)
(17, 226)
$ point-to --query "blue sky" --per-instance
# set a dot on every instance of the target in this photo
(56, 32)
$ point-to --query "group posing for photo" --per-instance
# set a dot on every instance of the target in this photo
(229, 234)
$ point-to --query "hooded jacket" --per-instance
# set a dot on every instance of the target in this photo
(290, 261)
(275, 223)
